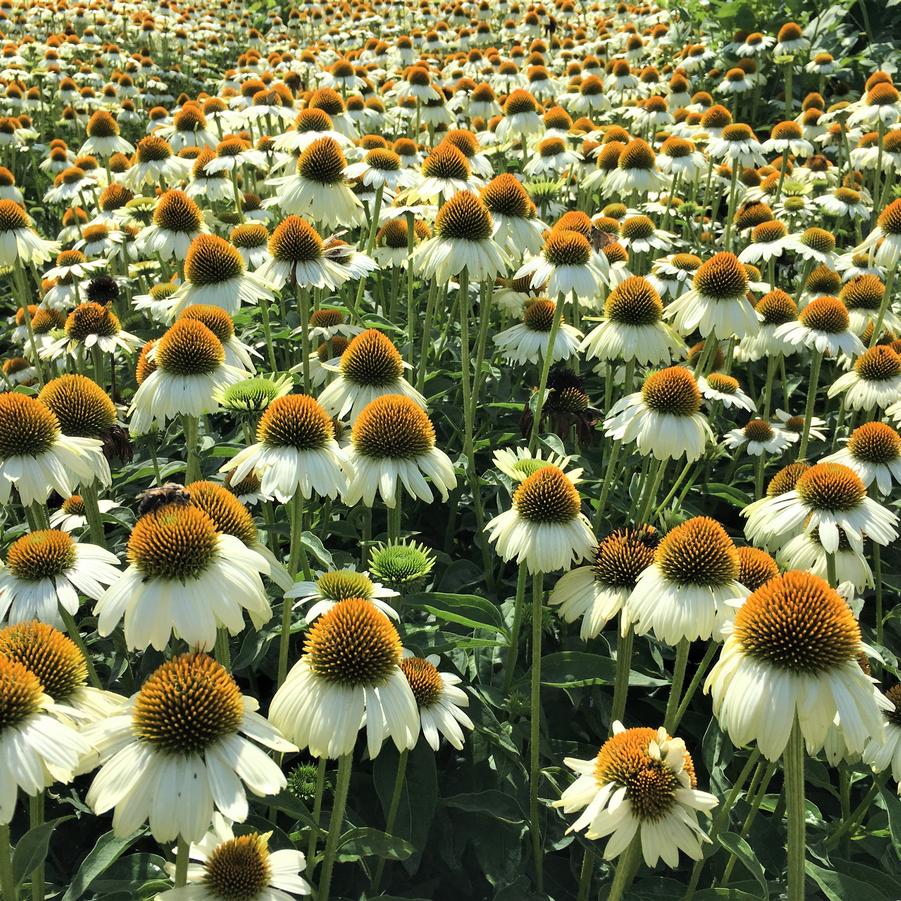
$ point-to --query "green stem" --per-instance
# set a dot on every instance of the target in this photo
(585, 875)
(877, 578)
(35, 819)
(695, 683)
(75, 635)
(519, 604)
(679, 666)
(793, 763)
(92, 513)
(607, 484)
(315, 829)
(535, 729)
(302, 298)
(7, 882)
(850, 823)
(222, 651)
(297, 562)
(422, 365)
(393, 807)
(651, 488)
(334, 831)
(815, 365)
(545, 371)
(831, 577)
(181, 862)
(267, 334)
(623, 668)
(626, 868)
(192, 466)
(766, 770)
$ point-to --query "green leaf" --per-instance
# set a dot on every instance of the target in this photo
(104, 853)
(31, 850)
(287, 803)
(893, 808)
(570, 669)
(367, 842)
(745, 853)
(729, 493)
(312, 543)
(839, 887)
(468, 610)
(493, 803)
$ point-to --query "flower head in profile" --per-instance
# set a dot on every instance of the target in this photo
(20, 244)
(641, 784)
(683, 594)
(544, 529)
(181, 748)
(335, 586)
(392, 445)
(597, 592)
(792, 654)
(873, 451)
(824, 326)
(349, 675)
(664, 418)
(440, 700)
(566, 265)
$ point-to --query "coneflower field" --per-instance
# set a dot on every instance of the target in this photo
(449, 451)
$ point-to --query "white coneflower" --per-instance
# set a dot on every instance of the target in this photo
(725, 389)
(381, 168)
(439, 699)
(883, 750)
(566, 265)
(805, 552)
(671, 275)
(319, 190)
(873, 451)
(369, 367)
(596, 593)
(632, 328)
(46, 570)
(90, 325)
(793, 639)
(757, 437)
(527, 341)
(103, 136)
(177, 221)
(664, 418)
(296, 452)
(393, 444)
(181, 748)
(71, 514)
(519, 463)
(636, 170)
(517, 227)
(844, 201)
(190, 371)
(823, 326)
(297, 257)
(641, 786)
(883, 243)
(545, 528)
(786, 137)
(237, 353)
(229, 866)
(814, 245)
(19, 242)
(338, 585)
(717, 304)
(36, 458)
(154, 163)
(826, 498)
(875, 380)
(769, 241)
(521, 117)
(684, 594)
(462, 240)
(348, 675)
(775, 308)
(73, 264)
(444, 173)
(186, 576)
(863, 296)
(36, 748)
(680, 157)
(215, 274)
(793, 426)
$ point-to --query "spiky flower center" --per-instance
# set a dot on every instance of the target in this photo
(424, 680)
(786, 479)
(831, 486)
(826, 314)
(777, 308)
(651, 786)
(238, 869)
(176, 212)
(393, 426)
(564, 247)
(446, 162)
(637, 154)
(81, 406)
(211, 260)
(90, 318)
(796, 622)
(875, 442)
(889, 219)
(755, 567)
(673, 391)
(538, 315)
(41, 555)
(173, 542)
(863, 292)
(698, 552)
(51, 656)
(464, 217)
(189, 348)
(228, 514)
(295, 241)
(722, 277)
(152, 149)
(27, 426)
(187, 704)
(322, 162)
(624, 554)
(758, 430)
(20, 693)
(339, 585)
(634, 302)
(879, 363)
(250, 235)
(506, 196)
(547, 496)
(295, 420)
(818, 239)
(372, 360)
(401, 565)
(354, 644)
(894, 695)
(724, 384)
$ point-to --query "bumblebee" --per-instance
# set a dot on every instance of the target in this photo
(170, 493)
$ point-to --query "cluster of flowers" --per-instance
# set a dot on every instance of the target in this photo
(336, 237)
